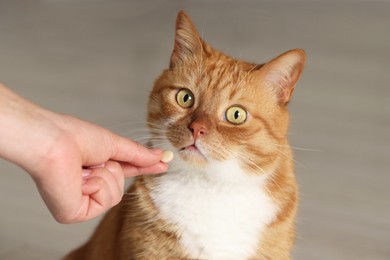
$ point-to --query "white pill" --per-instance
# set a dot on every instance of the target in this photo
(167, 156)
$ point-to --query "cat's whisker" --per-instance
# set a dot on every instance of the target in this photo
(298, 148)
(258, 167)
(162, 144)
(248, 161)
(138, 131)
(245, 76)
(288, 157)
(271, 178)
(157, 124)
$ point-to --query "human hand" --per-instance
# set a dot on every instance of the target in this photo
(90, 164)
(79, 168)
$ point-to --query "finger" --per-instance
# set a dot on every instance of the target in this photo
(106, 185)
(131, 170)
(98, 145)
(117, 173)
(134, 153)
(92, 185)
(96, 199)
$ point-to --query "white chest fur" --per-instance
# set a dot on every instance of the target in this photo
(221, 212)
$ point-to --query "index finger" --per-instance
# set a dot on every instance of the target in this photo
(129, 151)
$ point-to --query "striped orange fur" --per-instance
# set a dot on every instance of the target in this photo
(230, 192)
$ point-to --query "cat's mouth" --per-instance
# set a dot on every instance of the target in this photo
(191, 147)
(193, 150)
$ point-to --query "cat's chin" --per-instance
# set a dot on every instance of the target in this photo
(193, 155)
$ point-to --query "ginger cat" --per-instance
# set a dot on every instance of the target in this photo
(230, 192)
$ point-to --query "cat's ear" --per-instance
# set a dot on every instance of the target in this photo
(188, 43)
(283, 72)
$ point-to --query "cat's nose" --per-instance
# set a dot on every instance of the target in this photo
(198, 128)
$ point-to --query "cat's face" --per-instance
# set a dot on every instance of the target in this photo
(210, 107)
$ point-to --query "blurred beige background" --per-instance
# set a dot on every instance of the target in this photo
(97, 60)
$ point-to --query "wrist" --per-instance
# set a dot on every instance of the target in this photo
(27, 131)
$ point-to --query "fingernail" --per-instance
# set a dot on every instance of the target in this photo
(98, 166)
(86, 173)
(113, 166)
(156, 151)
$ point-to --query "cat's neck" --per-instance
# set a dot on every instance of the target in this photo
(226, 173)
(213, 207)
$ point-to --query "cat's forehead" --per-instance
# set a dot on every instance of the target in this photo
(225, 79)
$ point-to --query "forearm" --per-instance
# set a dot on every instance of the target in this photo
(25, 129)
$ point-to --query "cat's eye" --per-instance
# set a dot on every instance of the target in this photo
(185, 98)
(236, 115)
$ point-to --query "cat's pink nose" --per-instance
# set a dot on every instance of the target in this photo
(198, 129)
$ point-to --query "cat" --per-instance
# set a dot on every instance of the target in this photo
(230, 192)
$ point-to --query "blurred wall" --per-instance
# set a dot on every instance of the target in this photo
(97, 60)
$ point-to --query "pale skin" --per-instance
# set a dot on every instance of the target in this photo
(78, 167)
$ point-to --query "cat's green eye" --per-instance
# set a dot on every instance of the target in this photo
(185, 98)
(236, 115)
